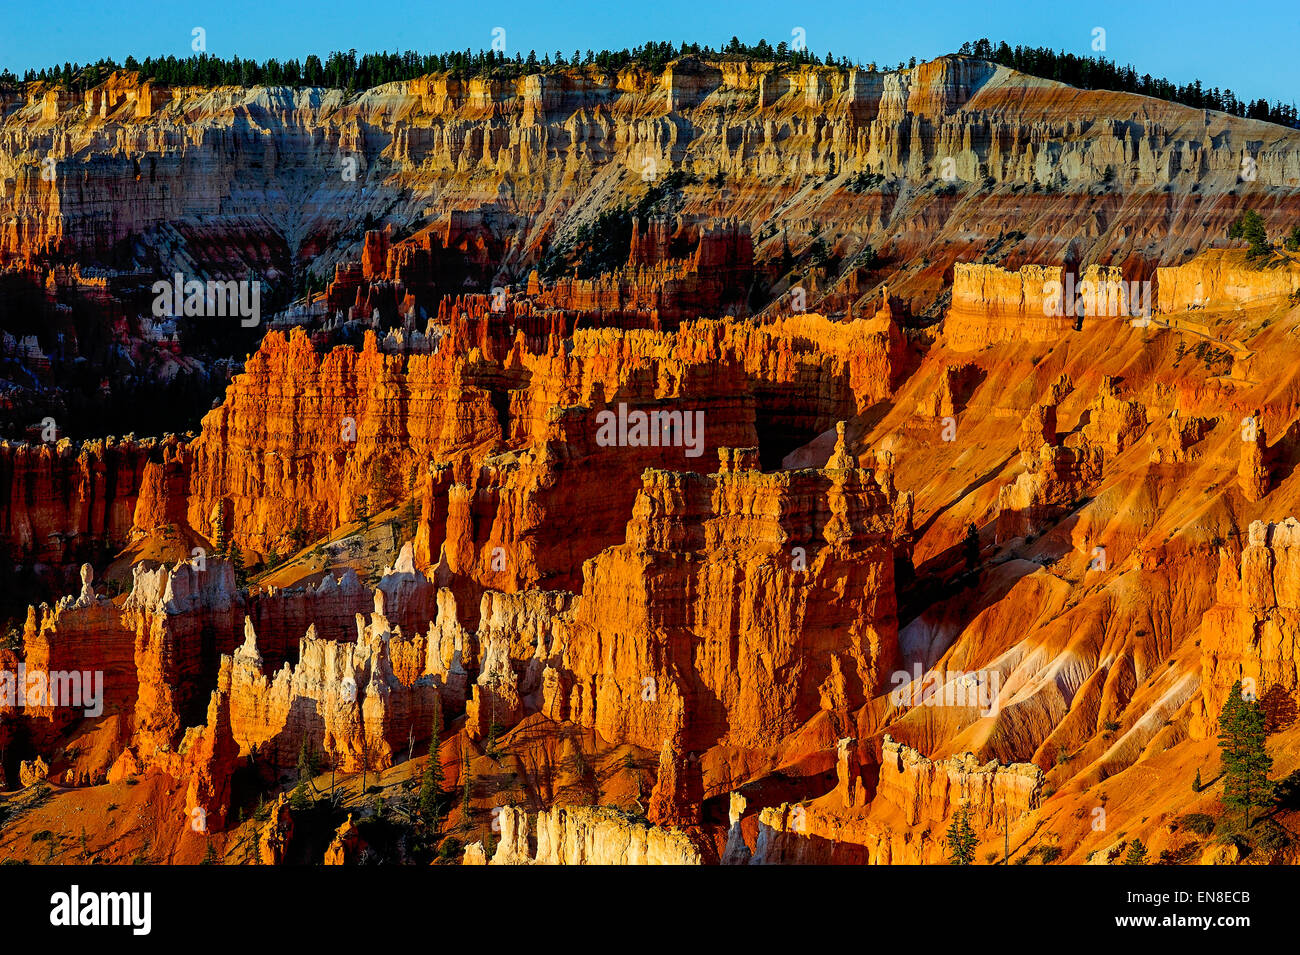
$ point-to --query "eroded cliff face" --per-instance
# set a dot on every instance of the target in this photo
(142, 667)
(1224, 277)
(343, 700)
(740, 604)
(585, 836)
(901, 823)
(929, 791)
(993, 306)
(1250, 632)
(509, 165)
(793, 634)
(61, 502)
(496, 446)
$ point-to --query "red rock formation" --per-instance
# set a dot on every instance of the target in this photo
(181, 619)
(741, 622)
(274, 837)
(1250, 633)
(211, 755)
(347, 846)
(666, 630)
(162, 494)
(1056, 477)
(374, 254)
(83, 660)
(59, 502)
(1252, 470)
(521, 432)
(678, 794)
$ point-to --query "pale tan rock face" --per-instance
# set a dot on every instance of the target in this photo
(992, 306)
(342, 699)
(576, 835)
(131, 156)
(929, 791)
(1224, 276)
(31, 772)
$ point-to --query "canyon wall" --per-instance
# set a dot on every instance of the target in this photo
(61, 502)
(929, 791)
(185, 169)
(1224, 276)
(991, 306)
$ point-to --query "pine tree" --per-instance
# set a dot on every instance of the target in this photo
(1253, 231)
(1137, 853)
(384, 485)
(1250, 226)
(1246, 763)
(1196, 783)
(298, 535)
(409, 518)
(219, 540)
(961, 838)
(431, 785)
(237, 563)
(466, 781)
(299, 799)
(306, 762)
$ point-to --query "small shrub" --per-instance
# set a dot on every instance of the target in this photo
(1268, 836)
(1183, 855)
(1197, 822)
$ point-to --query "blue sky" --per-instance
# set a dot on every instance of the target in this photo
(1248, 47)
